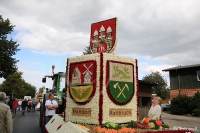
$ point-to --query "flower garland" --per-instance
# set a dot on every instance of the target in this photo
(101, 90)
(138, 87)
(66, 89)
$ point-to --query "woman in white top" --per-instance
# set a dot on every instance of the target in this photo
(155, 110)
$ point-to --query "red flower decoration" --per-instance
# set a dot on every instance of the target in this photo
(52, 121)
(59, 127)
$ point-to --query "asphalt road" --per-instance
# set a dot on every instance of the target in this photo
(181, 121)
(28, 123)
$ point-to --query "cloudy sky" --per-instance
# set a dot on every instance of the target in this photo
(159, 33)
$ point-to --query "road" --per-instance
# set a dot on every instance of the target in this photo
(28, 123)
(181, 121)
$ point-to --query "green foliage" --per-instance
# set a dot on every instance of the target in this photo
(196, 112)
(41, 89)
(28, 90)
(8, 48)
(15, 86)
(196, 100)
(161, 88)
(111, 125)
(87, 50)
(181, 105)
(132, 124)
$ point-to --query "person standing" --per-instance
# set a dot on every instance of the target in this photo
(24, 105)
(10, 103)
(155, 110)
(6, 122)
(51, 106)
(33, 105)
(14, 106)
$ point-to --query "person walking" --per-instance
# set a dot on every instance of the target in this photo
(6, 122)
(14, 106)
(33, 105)
(19, 104)
(24, 105)
(51, 106)
(29, 105)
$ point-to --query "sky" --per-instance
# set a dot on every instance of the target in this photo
(160, 34)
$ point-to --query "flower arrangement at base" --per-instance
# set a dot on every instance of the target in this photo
(111, 127)
(149, 126)
(152, 124)
(130, 127)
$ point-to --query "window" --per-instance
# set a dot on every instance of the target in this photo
(198, 75)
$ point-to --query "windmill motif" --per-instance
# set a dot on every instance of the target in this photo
(87, 74)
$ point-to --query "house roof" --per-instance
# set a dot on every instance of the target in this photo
(149, 83)
(181, 67)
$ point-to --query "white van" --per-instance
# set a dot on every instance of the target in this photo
(27, 97)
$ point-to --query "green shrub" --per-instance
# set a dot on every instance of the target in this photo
(196, 112)
(181, 105)
(196, 100)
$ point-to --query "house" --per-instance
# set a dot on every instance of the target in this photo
(144, 98)
(184, 80)
(145, 93)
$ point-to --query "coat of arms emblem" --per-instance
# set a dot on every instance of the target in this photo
(103, 36)
(121, 82)
(82, 75)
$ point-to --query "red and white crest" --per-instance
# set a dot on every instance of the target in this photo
(103, 38)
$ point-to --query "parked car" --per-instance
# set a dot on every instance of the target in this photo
(165, 106)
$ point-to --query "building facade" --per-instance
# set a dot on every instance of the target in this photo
(184, 80)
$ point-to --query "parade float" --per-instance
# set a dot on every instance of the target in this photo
(102, 91)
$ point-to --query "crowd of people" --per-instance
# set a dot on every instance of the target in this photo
(24, 105)
(9, 107)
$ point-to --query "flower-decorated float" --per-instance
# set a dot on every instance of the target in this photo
(102, 89)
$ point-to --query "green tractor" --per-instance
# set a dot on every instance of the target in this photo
(58, 89)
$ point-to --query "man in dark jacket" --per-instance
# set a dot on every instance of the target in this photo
(24, 104)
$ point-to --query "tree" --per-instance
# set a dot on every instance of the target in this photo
(41, 90)
(15, 86)
(161, 88)
(8, 48)
(28, 90)
(87, 50)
